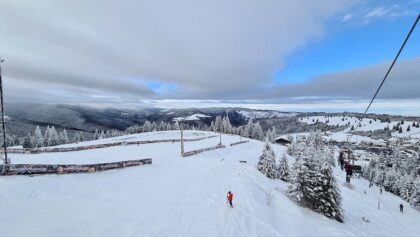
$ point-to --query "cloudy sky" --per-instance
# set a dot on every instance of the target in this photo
(291, 54)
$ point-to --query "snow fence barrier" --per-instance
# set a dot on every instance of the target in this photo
(195, 152)
(237, 143)
(97, 146)
(40, 169)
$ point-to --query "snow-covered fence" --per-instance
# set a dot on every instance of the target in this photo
(38, 169)
(237, 143)
(97, 146)
(195, 152)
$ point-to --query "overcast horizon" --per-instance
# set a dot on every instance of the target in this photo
(284, 55)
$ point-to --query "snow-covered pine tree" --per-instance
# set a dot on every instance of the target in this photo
(283, 168)
(318, 139)
(310, 139)
(96, 135)
(218, 126)
(38, 138)
(147, 127)
(415, 197)
(47, 136)
(227, 127)
(292, 148)
(53, 138)
(176, 126)
(82, 137)
(329, 155)
(64, 139)
(76, 138)
(267, 162)
(406, 187)
(329, 197)
(303, 184)
(101, 135)
(257, 132)
(391, 181)
(28, 141)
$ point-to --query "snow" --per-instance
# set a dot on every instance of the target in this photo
(365, 124)
(161, 135)
(191, 117)
(183, 197)
(264, 114)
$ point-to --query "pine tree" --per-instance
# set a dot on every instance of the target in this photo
(176, 126)
(82, 137)
(257, 132)
(303, 184)
(38, 138)
(283, 168)
(64, 139)
(318, 139)
(53, 139)
(28, 141)
(330, 157)
(391, 181)
(415, 197)
(267, 162)
(329, 197)
(47, 136)
(96, 135)
(227, 127)
(406, 187)
(102, 135)
(76, 138)
(292, 148)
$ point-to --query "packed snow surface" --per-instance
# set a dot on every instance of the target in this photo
(178, 196)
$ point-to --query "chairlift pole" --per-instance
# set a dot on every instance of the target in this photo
(2, 117)
(182, 139)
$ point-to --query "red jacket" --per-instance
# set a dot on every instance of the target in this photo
(230, 197)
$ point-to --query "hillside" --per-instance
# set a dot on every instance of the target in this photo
(183, 196)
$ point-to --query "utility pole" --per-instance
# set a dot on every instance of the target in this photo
(182, 139)
(2, 117)
(220, 139)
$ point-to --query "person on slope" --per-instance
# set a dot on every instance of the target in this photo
(230, 198)
(401, 207)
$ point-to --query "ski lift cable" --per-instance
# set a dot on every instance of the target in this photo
(386, 75)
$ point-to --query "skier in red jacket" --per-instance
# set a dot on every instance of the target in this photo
(230, 198)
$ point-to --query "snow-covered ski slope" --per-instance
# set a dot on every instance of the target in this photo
(367, 124)
(183, 197)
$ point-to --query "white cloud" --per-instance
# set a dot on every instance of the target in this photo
(347, 17)
(208, 49)
(377, 12)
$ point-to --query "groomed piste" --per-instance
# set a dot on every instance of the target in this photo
(178, 196)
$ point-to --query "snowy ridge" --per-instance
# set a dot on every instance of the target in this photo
(191, 117)
(185, 197)
(264, 114)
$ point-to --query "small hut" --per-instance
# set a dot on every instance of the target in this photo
(283, 141)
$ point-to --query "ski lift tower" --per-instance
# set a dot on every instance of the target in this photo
(2, 116)
(182, 139)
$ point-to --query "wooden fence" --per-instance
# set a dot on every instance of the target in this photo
(97, 146)
(41, 169)
(195, 152)
(237, 143)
